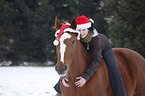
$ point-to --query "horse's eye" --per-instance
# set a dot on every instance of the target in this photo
(73, 41)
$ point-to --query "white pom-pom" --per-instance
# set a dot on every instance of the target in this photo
(56, 42)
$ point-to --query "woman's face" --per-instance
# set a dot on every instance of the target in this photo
(83, 32)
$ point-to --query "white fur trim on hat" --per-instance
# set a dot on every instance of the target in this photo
(70, 30)
(91, 20)
(84, 26)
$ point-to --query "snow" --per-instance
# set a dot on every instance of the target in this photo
(28, 81)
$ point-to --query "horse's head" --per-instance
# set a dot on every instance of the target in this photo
(65, 42)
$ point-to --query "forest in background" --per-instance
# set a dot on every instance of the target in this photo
(26, 26)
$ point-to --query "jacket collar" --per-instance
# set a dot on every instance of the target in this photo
(95, 32)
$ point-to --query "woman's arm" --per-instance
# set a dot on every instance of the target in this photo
(95, 50)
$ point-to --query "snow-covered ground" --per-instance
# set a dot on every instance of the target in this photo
(27, 81)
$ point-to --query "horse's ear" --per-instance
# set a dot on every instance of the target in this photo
(57, 24)
(73, 23)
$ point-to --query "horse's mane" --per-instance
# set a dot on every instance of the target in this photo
(64, 22)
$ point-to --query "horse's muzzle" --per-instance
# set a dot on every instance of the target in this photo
(62, 70)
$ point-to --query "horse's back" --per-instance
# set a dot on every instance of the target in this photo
(132, 67)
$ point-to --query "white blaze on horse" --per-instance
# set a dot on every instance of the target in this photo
(73, 59)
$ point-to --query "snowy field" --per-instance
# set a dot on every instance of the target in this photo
(27, 81)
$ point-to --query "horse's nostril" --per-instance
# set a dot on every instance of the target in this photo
(65, 67)
(56, 67)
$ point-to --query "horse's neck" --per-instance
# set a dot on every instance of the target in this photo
(80, 61)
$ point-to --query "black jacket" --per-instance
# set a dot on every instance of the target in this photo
(95, 47)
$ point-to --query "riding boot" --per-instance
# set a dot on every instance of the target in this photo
(57, 87)
(114, 74)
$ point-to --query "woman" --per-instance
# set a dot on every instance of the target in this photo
(99, 47)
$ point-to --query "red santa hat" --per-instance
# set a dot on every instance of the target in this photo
(63, 27)
(84, 22)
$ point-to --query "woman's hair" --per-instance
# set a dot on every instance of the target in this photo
(91, 28)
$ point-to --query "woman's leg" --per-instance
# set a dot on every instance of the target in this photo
(114, 74)
(57, 87)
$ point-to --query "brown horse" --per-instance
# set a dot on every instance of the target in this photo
(73, 59)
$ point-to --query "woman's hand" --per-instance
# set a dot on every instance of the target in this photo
(81, 82)
(64, 82)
